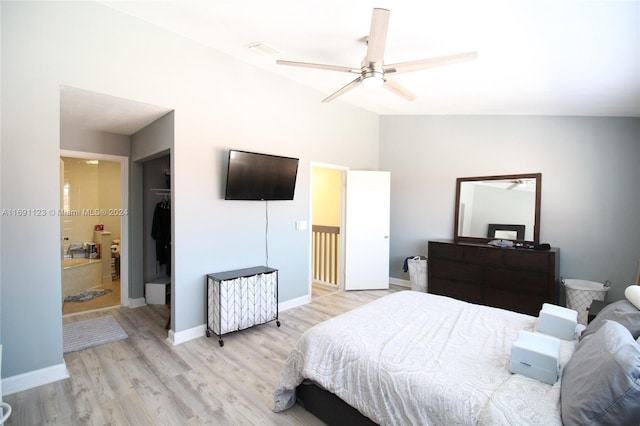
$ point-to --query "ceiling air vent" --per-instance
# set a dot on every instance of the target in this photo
(262, 49)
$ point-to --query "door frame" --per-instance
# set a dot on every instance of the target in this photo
(124, 219)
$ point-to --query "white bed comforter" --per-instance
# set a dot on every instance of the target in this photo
(417, 358)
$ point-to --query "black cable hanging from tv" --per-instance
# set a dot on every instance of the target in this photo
(266, 232)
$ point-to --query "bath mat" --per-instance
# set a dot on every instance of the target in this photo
(83, 296)
(89, 333)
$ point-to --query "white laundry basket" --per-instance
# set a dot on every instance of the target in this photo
(580, 294)
(418, 273)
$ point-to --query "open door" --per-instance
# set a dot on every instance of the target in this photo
(367, 216)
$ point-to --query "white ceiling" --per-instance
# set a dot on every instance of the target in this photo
(102, 113)
(535, 57)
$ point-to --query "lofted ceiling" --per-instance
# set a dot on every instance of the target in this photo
(103, 113)
(535, 57)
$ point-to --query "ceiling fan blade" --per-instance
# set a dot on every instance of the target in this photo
(421, 64)
(319, 66)
(398, 89)
(343, 90)
(514, 184)
(377, 37)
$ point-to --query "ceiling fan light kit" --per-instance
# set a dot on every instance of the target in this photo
(372, 74)
(372, 80)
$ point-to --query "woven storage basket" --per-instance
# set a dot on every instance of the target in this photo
(580, 294)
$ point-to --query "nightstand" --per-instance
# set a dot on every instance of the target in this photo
(595, 307)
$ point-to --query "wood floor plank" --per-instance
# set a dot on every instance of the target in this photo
(143, 380)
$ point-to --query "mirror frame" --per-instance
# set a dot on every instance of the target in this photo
(536, 224)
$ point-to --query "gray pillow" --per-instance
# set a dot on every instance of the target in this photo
(622, 312)
(601, 382)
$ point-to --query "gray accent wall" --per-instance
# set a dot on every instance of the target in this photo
(218, 103)
(152, 142)
(590, 169)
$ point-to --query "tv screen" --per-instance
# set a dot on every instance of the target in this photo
(254, 176)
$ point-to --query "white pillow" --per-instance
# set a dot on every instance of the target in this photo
(632, 293)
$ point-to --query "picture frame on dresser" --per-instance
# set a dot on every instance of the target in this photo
(506, 232)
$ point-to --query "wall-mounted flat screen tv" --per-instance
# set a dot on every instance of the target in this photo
(255, 176)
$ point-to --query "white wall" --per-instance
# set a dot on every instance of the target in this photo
(218, 104)
(74, 138)
(590, 176)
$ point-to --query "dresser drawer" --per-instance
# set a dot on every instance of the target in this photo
(468, 292)
(519, 302)
(483, 255)
(526, 259)
(445, 251)
(517, 281)
(454, 270)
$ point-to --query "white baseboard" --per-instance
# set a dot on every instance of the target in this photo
(294, 303)
(186, 335)
(33, 379)
(400, 282)
(136, 303)
(200, 330)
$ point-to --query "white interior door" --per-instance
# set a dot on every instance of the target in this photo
(367, 218)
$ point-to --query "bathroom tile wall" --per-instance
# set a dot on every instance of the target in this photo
(89, 190)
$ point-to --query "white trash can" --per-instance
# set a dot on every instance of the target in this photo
(580, 294)
(418, 273)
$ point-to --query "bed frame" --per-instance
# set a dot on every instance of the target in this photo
(328, 407)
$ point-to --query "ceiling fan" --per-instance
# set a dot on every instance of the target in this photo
(514, 184)
(373, 72)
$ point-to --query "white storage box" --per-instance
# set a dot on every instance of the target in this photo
(557, 321)
(537, 356)
(157, 291)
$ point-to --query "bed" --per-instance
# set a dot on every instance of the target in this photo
(419, 358)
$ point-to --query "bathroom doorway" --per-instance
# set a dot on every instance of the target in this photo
(93, 230)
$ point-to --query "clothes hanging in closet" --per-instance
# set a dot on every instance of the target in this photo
(161, 232)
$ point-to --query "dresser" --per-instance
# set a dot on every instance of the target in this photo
(520, 280)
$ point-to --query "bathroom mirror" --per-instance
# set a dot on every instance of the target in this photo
(498, 207)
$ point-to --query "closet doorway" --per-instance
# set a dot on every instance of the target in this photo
(157, 238)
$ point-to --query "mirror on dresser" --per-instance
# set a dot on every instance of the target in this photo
(498, 207)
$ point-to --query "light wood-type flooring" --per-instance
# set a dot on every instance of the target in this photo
(144, 380)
